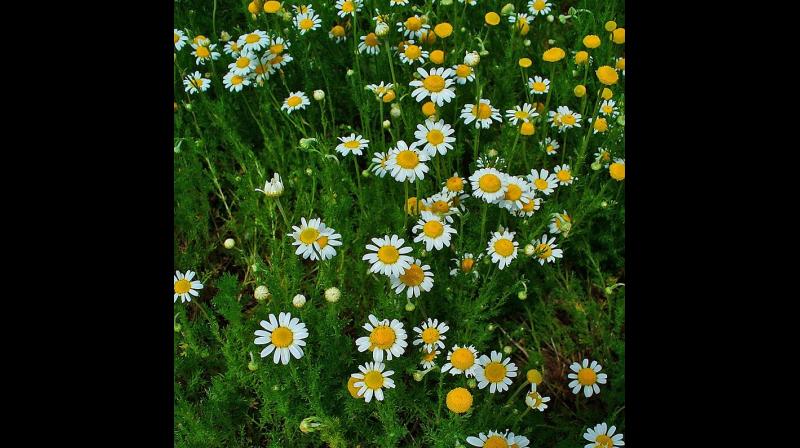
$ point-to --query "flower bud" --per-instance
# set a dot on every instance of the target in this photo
(387, 124)
(604, 204)
(507, 10)
(365, 173)
(550, 18)
(579, 90)
(309, 171)
(350, 72)
(596, 165)
(418, 375)
(472, 58)
(310, 424)
(446, 2)
(526, 42)
(319, 95)
(177, 327)
(305, 143)
(507, 349)
(621, 120)
(261, 293)
(299, 300)
(381, 29)
(471, 383)
(522, 295)
(333, 294)
(229, 243)
(529, 250)
(492, 152)
(188, 106)
(395, 112)
(224, 36)
(410, 307)
(551, 41)
(562, 18)
(490, 327)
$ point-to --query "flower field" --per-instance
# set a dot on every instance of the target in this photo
(399, 223)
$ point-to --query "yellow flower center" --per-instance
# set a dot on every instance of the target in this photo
(322, 241)
(309, 235)
(433, 229)
(282, 337)
(482, 111)
(568, 119)
(352, 388)
(430, 335)
(564, 175)
(495, 442)
(459, 400)
(494, 372)
(198, 82)
(529, 206)
(306, 24)
(617, 171)
(539, 86)
(463, 70)
(537, 399)
(521, 114)
(276, 60)
(177, 38)
(413, 276)
(182, 286)
(236, 80)
(607, 109)
(348, 6)
(371, 40)
(294, 101)
(440, 207)
(544, 250)
(550, 149)
(407, 159)
(202, 52)
(601, 125)
(429, 356)
(252, 38)
(243, 62)
(413, 24)
(382, 337)
(489, 183)
(455, 184)
(514, 192)
(467, 264)
(373, 379)
(604, 441)
(435, 137)
(352, 144)
(462, 359)
(538, 5)
(540, 184)
(276, 49)
(388, 254)
(433, 83)
(338, 31)
(504, 247)
(413, 52)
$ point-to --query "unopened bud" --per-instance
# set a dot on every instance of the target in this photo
(224, 36)
(319, 95)
(387, 124)
(381, 29)
(332, 294)
(471, 383)
(310, 424)
(550, 18)
(410, 307)
(261, 293)
(596, 165)
(529, 250)
(526, 42)
(507, 349)
(350, 72)
(299, 300)
(229, 243)
(507, 10)
(522, 295)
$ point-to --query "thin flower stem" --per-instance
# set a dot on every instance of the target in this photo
(283, 214)
(483, 223)
(405, 205)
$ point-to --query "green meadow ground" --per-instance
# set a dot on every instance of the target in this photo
(227, 144)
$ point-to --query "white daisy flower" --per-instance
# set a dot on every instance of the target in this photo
(279, 60)
(295, 100)
(234, 82)
(559, 222)
(543, 181)
(184, 286)
(454, 184)
(372, 379)
(535, 400)
(305, 236)
(494, 439)
(431, 334)
(274, 187)
(469, 2)
(180, 39)
(303, 9)
(489, 184)
(608, 108)
(541, 7)
(284, 336)
(465, 264)
(254, 41)
(464, 73)
(436, 84)
(416, 279)
(348, 7)
(495, 372)
(204, 53)
(337, 33)
(428, 360)
(307, 22)
(546, 250)
(201, 40)
(435, 137)
(380, 159)
(369, 44)
(352, 145)
(522, 114)
(413, 27)
(528, 208)
(442, 204)
(413, 53)
(564, 118)
(564, 174)
(601, 436)
(517, 441)
(324, 245)
(482, 114)
(232, 48)
(398, 2)
(195, 82)
(587, 377)
(518, 193)
(380, 89)
(461, 360)
(244, 64)
(433, 231)
(407, 162)
(385, 338)
(538, 85)
(263, 68)
(388, 255)
(278, 45)
(550, 146)
(502, 248)
(521, 19)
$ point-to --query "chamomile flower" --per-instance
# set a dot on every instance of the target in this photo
(482, 114)
(324, 246)
(543, 181)
(529, 208)
(461, 360)
(352, 145)
(560, 222)
(337, 33)
(550, 146)
(305, 236)
(523, 114)
(464, 73)
(234, 82)
(195, 82)
(283, 336)
(489, 184)
(495, 372)
(254, 41)
(179, 38)
(413, 27)
(232, 48)
(522, 21)
(307, 22)
(244, 64)
(184, 286)
(469, 2)
(454, 183)
(413, 53)
(601, 436)
(564, 174)
(535, 400)
(279, 60)
(204, 53)
(416, 279)
(442, 204)
(436, 84)
(369, 44)
(201, 40)
(398, 2)
(465, 264)
(433, 231)
(564, 118)
(388, 255)
(278, 45)
(407, 162)
(431, 334)
(429, 358)
(540, 7)
(380, 159)
(603, 156)
(609, 108)
(502, 248)
(295, 101)
(538, 85)
(380, 89)
(263, 68)
(517, 440)
(617, 169)
(372, 380)
(272, 187)
(386, 339)
(545, 250)
(494, 439)
(348, 7)
(518, 193)
(434, 137)
(587, 377)
(303, 9)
